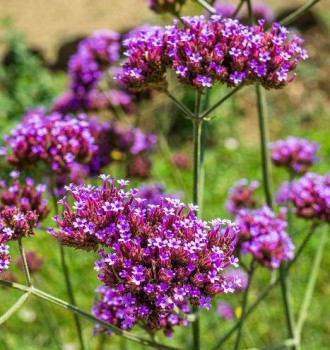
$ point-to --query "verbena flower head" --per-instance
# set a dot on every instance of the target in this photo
(310, 196)
(52, 140)
(224, 8)
(4, 257)
(283, 194)
(225, 310)
(158, 259)
(95, 54)
(296, 154)
(154, 193)
(160, 6)
(181, 160)
(241, 195)
(205, 52)
(263, 234)
(15, 224)
(116, 143)
(238, 278)
(25, 197)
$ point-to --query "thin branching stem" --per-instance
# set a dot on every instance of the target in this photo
(88, 316)
(311, 284)
(187, 112)
(299, 12)
(66, 272)
(219, 103)
(244, 307)
(238, 8)
(14, 308)
(273, 283)
(197, 179)
(24, 262)
(207, 6)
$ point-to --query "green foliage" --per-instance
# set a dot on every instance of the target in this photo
(24, 81)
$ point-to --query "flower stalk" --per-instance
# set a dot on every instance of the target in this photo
(66, 271)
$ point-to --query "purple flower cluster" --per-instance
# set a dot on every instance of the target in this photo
(204, 52)
(160, 6)
(225, 310)
(241, 195)
(263, 234)
(94, 56)
(162, 259)
(310, 196)
(238, 278)
(4, 257)
(53, 140)
(26, 197)
(296, 154)
(88, 67)
(116, 142)
(15, 224)
(110, 307)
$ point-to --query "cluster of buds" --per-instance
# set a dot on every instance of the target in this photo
(161, 6)
(263, 234)
(162, 259)
(310, 196)
(295, 154)
(260, 10)
(241, 195)
(204, 52)
(26, 197)
(91, 64)
(53, 140)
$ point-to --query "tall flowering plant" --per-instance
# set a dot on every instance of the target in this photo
(158, 263)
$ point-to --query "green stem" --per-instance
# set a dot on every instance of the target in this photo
(238, 8)
(188, 113)
(207, 6)
(263, 126)
(14, 308)
(311, 284)
(266, 291)
(24, 262)
(219, 103)
(284, 345)
(244, 306)
(65, 305)
(67, 273)
(263, 129)
(296, 14)
(287, 304)
(197, 141)
(303, 245)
